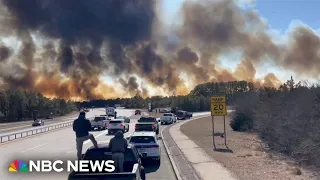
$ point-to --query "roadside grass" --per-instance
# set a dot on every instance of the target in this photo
(288, 121)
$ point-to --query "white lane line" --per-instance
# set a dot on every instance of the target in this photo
(87, 141)
(35, 147)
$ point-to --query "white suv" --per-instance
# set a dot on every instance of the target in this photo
(117, 125)
(147, 145)
(173, 116)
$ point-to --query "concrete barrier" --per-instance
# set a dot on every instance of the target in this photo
(32, 131)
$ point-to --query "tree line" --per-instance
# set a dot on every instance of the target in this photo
(197, 100)
(287, 119)
(17, 105)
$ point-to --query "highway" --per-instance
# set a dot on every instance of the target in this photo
(60, 144)
(15, 126)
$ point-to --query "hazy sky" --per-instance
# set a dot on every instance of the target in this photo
(279, 14)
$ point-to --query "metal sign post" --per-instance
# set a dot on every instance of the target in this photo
(218, 108)
(213, 142)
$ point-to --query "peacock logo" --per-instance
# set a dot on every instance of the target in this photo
(18, 166)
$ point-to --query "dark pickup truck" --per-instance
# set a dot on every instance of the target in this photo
(182, 115)
(147, 124)
(133, 169)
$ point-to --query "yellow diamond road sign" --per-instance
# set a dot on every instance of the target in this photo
(218, 106)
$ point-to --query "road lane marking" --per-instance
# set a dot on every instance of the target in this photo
(87, 141)
(53, 123)
(35, 147)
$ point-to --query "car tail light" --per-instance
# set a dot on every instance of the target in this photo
(121, 125)
(153, 126)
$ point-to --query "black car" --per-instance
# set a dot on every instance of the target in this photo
(132, 165)
(182, 115)
(137, 112)
(38, 122)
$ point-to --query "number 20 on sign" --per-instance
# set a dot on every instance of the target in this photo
(218, 106)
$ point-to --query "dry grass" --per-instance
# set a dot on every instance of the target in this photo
(249, 160)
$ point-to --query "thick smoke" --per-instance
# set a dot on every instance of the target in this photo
(83, 40)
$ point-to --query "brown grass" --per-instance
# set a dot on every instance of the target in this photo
(249, 160)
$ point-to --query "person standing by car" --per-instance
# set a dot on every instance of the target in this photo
(118, 145)
(82, 126)
(115, 114)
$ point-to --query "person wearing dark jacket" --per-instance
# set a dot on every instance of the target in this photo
(118, 145)
(82, 126)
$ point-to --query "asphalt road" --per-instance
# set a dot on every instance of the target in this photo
(60, 145)
(15, 126)
(7, 128)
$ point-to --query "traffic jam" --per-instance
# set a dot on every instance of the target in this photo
(143, 144)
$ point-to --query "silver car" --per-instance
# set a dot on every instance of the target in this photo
(173, 116)
(117, 125)
(166, 120)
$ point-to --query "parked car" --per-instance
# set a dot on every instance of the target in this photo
(117, 125)
(132, 165)
(166, 120)
(110, 111)
(38, 122)
(147, 145)
(99, 122)
(137, 112)
(182, 115)
(126, 119)
(173, 116)
(145, 123)
(164, 110)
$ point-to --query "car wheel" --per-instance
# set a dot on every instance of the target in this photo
(143, 174)
(157, 132)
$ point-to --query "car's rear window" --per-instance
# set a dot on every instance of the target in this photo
(115, 122)
(99, 118)
(146, 120)
(37, 121)
(165, 117)
(142, 139)
(180, 113)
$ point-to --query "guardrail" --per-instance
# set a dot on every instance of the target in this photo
(30, 132)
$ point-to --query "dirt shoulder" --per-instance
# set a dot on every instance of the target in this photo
(249, 159)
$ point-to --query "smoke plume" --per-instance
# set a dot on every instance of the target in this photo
(67, 46)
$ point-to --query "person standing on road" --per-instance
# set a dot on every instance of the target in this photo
(118, 145)
(82, 126)
(115, 114)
